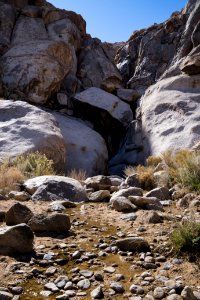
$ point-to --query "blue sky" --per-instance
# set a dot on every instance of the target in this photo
(115, 20)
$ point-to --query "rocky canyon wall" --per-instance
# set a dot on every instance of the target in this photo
(107, 105)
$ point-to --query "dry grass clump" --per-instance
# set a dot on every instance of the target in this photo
(181, 167)
(13, 172)
(153, 160)
(186, 237)
(10, 177)
(79, 175)
(144, 174)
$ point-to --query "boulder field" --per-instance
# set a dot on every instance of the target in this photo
(91, 105)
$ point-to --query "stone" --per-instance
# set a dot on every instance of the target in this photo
(109, 270)
(84, 284)
(152, 217)
(128, 95)
(122, 204)
(62, 297)
(62, 99)
(55, 222)
(25, 128)
(146, 202)
(5, 295)
(2, 216)
(161, 193)
(100, 99)
(117, 287)
(16, 239)
(86, 149)
(51, 188)
(136, 289)
(95, 68)
(18, 213)
(100, 196)
(133, 181)
(197, 295)
(126, 192)
(159, 293)
(51, 286)
(56, 206)
(187, 294)
(19, 196)
(31, 55)
(86, 273)
(99, 182)
(133, 244)
(129, 217)
(97, 293)
(174, 297)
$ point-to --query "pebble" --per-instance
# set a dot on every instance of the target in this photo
(109, 270)
(98, 276)
(97, 293)
(51, 286)
(159, 293)
(51, 271)
(84, 284)
(68, 286)
(117, 287)
(62, 297)
(136, 289)
(45, 294)
(86, 273)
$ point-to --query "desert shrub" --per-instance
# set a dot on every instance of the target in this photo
(145, 175)
(34, 164)
(10, 177)
(183, 168)
(79, 175)
(186, 236)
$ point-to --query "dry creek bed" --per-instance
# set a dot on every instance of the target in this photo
(90, 247)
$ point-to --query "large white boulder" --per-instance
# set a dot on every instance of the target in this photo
(98, 98)
(170, 114)
(85, 148)
(25, 128)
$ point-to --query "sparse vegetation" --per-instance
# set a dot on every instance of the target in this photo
(145, 175)
(34, 164)
(79, 175)
(10, 177)
(13, 172)
(182, 167)
(186, 236)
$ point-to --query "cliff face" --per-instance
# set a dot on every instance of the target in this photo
(48, 59)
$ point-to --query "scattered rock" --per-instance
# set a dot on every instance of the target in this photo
(16, 239)
(133, 244)
(18, 213)
(56, 222)
(51, 188)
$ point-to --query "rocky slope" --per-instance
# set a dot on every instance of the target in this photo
(107, 115)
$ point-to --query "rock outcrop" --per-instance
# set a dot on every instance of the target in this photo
(47, 58)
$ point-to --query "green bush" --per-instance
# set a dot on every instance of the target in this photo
(34, 164)
(186, 237)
